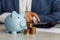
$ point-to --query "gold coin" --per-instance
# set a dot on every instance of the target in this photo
(27, 32)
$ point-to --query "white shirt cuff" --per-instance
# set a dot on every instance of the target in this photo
(3, 16)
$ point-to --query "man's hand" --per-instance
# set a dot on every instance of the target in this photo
(29, 16)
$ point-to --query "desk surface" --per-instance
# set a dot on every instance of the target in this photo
(20, 36)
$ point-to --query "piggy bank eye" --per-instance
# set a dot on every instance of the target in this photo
(18, 17)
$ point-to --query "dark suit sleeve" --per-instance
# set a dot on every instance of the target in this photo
(0, 8)
(55, 13)
(9, 6)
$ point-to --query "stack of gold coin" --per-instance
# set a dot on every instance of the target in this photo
(30, 29)
(33, 30)
(30, 25)
(27, 32)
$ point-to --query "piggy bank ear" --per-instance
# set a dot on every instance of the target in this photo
(22, 14)
(14, 13)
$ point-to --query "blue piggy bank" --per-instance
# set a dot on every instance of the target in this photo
(15, 22)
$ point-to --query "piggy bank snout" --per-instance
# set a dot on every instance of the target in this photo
(23, 23)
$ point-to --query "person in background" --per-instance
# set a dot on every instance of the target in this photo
(43, 10)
